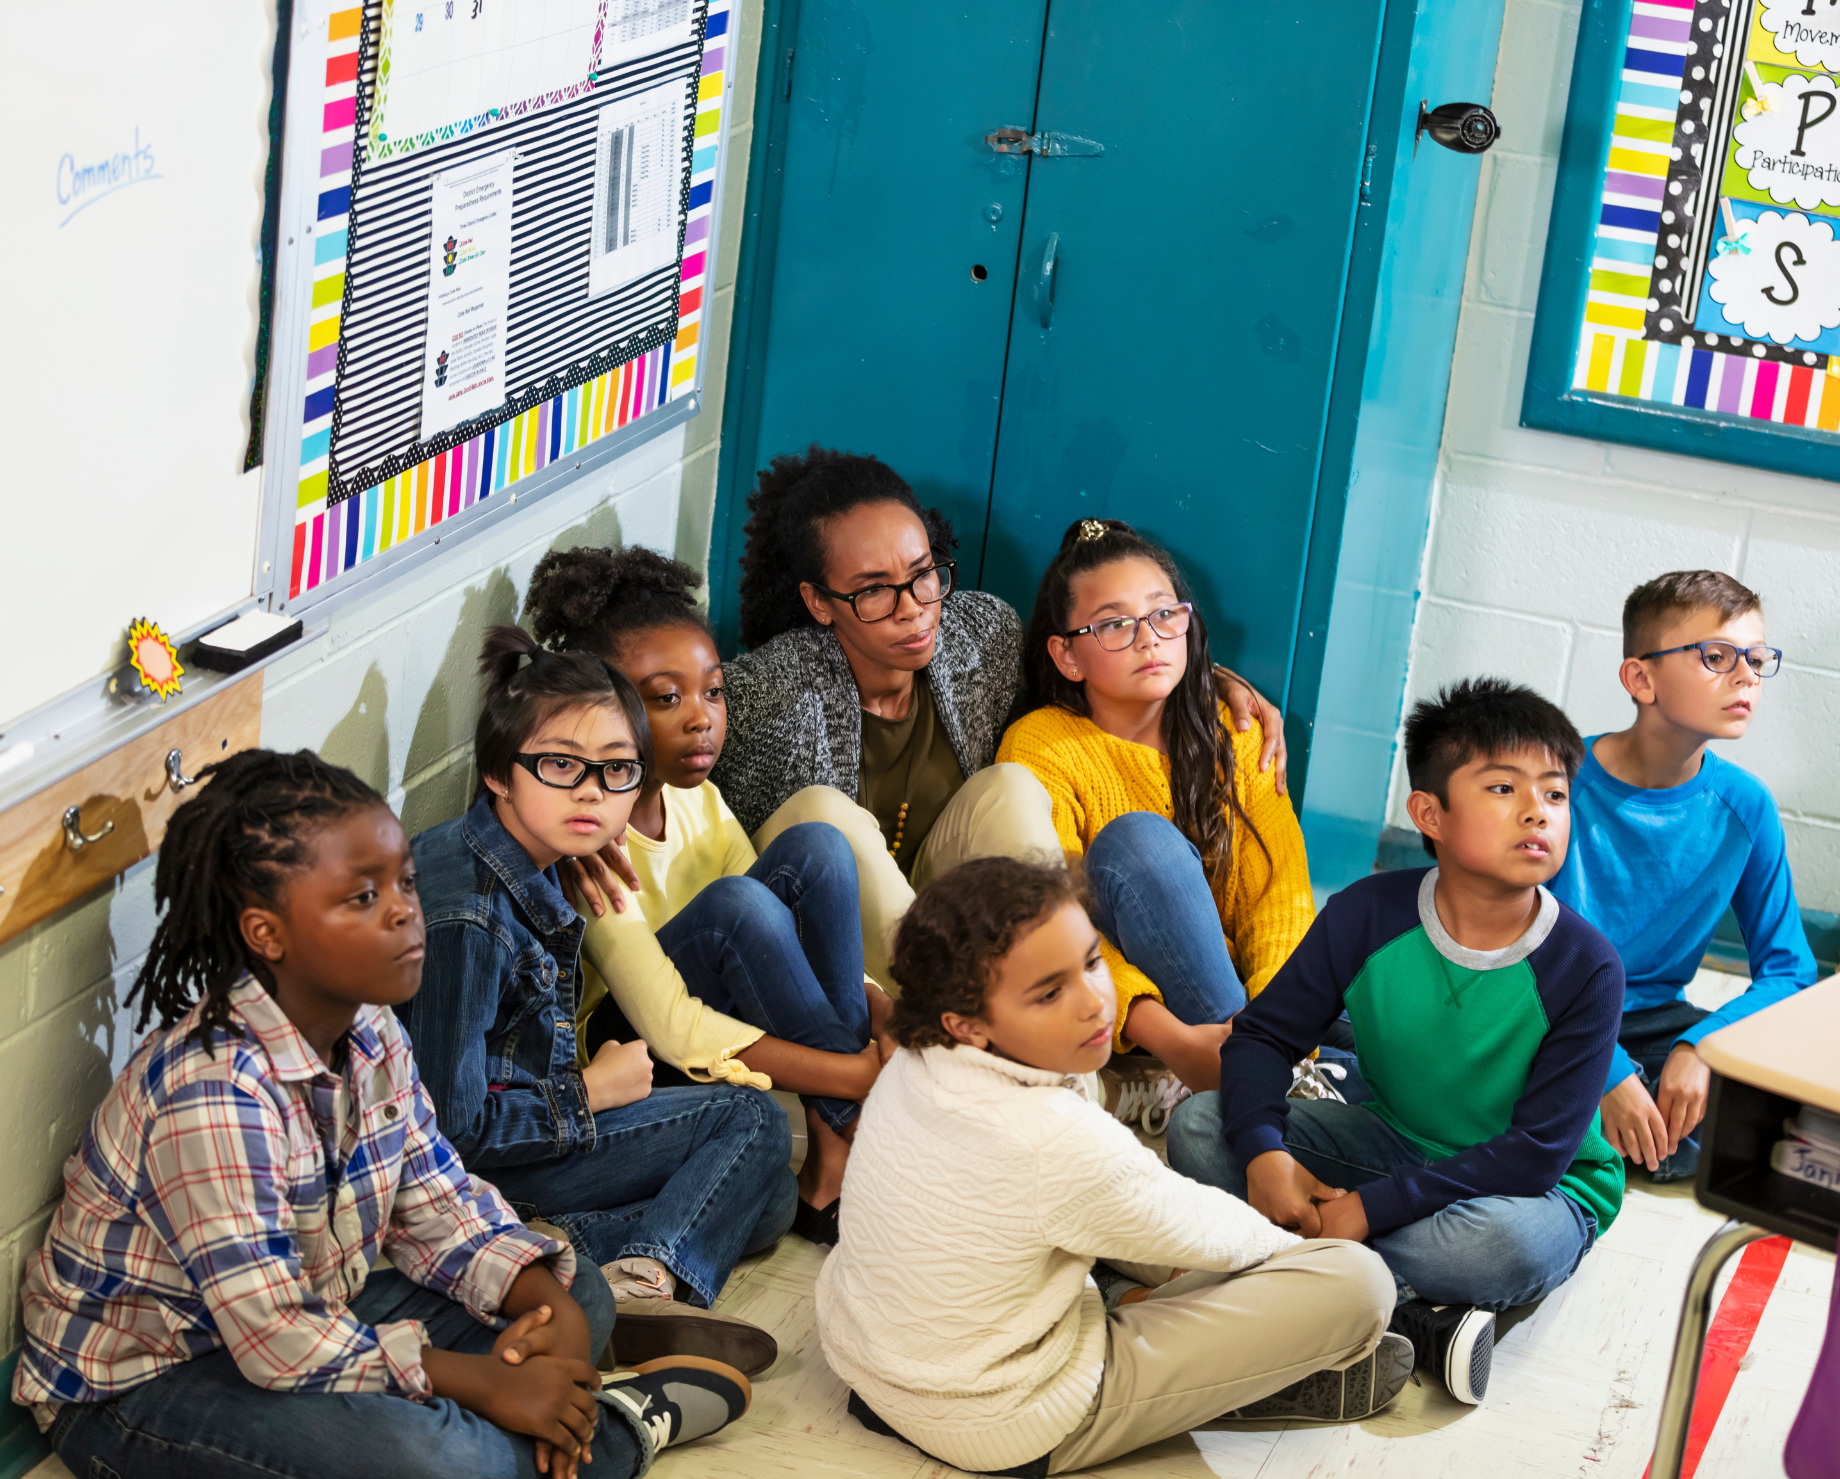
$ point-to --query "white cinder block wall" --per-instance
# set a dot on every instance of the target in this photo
(391, 692)
(1536, 538)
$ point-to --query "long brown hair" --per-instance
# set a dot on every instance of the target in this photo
(1202, 782)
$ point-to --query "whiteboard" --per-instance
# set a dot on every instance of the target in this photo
(137, 140)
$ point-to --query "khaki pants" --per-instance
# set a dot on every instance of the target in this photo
(1002, 811)
(1209, 1343)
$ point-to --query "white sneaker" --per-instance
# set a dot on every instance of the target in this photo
(1310, 1080)
(1145, 1099)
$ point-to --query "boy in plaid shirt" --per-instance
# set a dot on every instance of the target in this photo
(210, 1270)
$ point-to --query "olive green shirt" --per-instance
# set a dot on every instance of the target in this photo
(910, 760)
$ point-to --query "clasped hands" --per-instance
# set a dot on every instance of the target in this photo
(558, 1387)
(1647, 1129)
(1278, 1186)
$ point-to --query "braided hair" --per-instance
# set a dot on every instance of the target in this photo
(590, 600)
(1203, 786)
(233, 844)
(784, 546)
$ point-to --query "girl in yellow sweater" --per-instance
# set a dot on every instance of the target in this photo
(730, 966)
(1196, 862)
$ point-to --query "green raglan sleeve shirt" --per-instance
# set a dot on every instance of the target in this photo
(1491, 1063)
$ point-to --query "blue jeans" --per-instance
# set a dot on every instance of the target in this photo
(1152, 900)
(203, 1420)
(1492, 1252)
(1648, 1037)
(780, 947)
(695, 1178)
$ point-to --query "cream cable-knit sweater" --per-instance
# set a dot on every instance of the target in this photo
(978, 1194)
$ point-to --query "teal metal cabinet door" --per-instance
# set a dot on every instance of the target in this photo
(883, 338)
(1170, 359)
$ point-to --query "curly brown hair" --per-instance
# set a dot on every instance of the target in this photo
(590, 600)
(952, 936)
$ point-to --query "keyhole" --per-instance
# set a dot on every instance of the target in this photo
(978, 274)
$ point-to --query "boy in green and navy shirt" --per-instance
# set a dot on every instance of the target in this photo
(1484, 1015)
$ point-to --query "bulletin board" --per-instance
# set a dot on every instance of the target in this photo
(505, 214)
(1691, 290)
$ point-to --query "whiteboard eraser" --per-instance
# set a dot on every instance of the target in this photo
(236, 644)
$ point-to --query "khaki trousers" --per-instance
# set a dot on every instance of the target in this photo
(1002, 811)
(1209, 1343)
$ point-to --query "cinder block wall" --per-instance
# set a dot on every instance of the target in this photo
(391, 692)
(1536, 538)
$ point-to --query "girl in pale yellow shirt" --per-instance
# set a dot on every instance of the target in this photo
(1196, 862)
(729, 966)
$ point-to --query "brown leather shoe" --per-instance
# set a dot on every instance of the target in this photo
(646, 1329)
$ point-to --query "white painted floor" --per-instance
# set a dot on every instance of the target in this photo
(1576, 1386)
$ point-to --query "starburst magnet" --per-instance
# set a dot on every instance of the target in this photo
(154, 658)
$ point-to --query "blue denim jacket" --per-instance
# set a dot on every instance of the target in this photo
(494, 1022)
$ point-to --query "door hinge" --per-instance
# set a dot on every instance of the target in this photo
(1367, 175)
(1043, 145)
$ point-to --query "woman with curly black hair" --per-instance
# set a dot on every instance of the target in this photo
(876, 687)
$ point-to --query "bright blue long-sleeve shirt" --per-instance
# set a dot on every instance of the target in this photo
(1655, 870)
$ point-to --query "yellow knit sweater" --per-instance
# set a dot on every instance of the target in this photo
(1092, 777)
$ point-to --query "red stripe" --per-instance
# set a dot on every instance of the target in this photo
(437, 505)
(342, 69)
(1727, 1341)
(688, 303)
(300, 555)
(1795, 409)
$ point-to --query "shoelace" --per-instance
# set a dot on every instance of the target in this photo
(1150, 1100)
(1308, 1081)
(660, 1425)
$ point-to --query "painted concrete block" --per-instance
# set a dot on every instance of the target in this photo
(1594, 699)
(1456, 642)
(1794, 564)
(1482, 417)
(56, 1072)
(1518, 201)
(1533, 78)
(1558, 546)
(1814, 857)
(437, 796)
(1790, 745)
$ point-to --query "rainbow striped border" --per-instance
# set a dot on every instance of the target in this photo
(1614, 358)
(329, 540)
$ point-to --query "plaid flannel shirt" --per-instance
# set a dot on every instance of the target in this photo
(240, 1198)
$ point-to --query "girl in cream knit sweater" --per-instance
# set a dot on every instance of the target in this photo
(984, 1182)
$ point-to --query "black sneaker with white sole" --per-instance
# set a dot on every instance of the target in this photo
(676, 1399)
(1454, 1342)
(1344, 1396)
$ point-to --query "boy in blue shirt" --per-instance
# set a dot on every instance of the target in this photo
(1664, 837)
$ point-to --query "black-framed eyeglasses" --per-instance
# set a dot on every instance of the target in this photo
(566, 772)
(1116, 633)
(879, 602)
(1722, 657)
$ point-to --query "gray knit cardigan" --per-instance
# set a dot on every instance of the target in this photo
(795, 716)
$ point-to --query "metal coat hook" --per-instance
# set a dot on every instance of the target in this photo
(175, 772)
(74, 837)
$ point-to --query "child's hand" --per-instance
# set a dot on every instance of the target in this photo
(544, 1331)
(619, 1073)
(1636, 1130)
(1344, 1217)
(1196, 1056)
(548, 1398)
(1278, 1186)
(593, 878)
(881, 1008)
(1244, 704)
(1681, 1092)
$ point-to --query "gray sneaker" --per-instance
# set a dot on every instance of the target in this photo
(676, 1400)
(1339, 1396)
